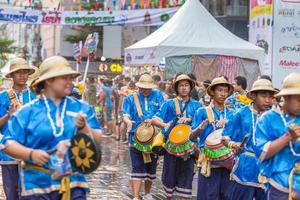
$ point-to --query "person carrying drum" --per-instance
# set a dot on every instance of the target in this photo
(277, 141)
(39, 135)
(11, 101)
(240, 130)
(138, 110)
(213, 178)
(175, 116)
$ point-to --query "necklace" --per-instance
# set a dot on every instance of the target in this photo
(221, 117)
(62, 114)
(254, 122)
(290, 143)
(20, 99)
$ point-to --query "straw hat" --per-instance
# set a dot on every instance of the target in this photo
(183, 77)
(55, 66)
(261, 85)
(219, 81)
(291, 85)
(19, 64)
(146, 82)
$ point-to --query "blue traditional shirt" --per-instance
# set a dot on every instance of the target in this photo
(245, 170)
(167, 112)
(149, 105)
(201, 115)
(24, 97)
(271, 126)
(234, 103)
(31, 127)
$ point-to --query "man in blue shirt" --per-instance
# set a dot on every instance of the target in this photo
(245, 171)
(11, 101)
(276, 140)
(139, 108)
(240, 86)
(213, 181)
(178, 172)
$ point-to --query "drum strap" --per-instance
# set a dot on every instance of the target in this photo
(177, 107)
(137, 104)
(210, 115)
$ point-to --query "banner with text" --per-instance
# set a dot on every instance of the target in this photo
(286, 46)
(260, 31)
(150, 17)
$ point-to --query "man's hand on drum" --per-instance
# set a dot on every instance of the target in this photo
(184, 120)
(236, 147)
(221, 123)
(148, 122)
(39, 157)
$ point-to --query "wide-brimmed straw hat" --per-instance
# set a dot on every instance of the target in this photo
(55, 66)
(219, 81)
(291, 85)
(183, 77)
(19, 64)
(146, 82)
(33, 76)
(261, 85)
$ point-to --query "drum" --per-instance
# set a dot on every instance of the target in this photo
(216, 152)
(85, 153)
(143, 137)
(179, 143)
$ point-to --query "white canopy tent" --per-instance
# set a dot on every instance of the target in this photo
(191, 31)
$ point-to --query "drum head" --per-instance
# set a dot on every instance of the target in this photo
(214, 138)
(144, 134)
(85, 153)
(180, 134)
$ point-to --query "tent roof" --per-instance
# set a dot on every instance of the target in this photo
(191, 31)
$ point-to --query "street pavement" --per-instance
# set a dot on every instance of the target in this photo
(111, 180)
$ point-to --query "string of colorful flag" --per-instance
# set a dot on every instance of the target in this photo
(108, 5)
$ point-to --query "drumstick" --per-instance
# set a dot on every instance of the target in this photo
(245, 139)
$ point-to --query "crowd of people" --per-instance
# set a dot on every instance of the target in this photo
(243, 144)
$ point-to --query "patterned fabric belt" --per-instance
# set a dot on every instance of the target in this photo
(65, 188)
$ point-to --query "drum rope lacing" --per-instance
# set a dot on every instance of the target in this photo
(290, 143)
(21, 96)
(62, 114)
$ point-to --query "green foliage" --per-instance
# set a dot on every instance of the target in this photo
(6, 47)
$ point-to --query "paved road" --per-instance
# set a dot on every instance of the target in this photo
(111, 180)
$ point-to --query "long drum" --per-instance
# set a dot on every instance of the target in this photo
(216, 152)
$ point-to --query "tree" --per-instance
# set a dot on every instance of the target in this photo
(6, 47)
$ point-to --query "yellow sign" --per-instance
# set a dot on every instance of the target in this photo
(116, 68)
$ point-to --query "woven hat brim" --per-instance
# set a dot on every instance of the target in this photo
(145, 85)
(55, 74)
(249, 94)
(193, 84)
(209, 88)
(31, 71)
(288, 92)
